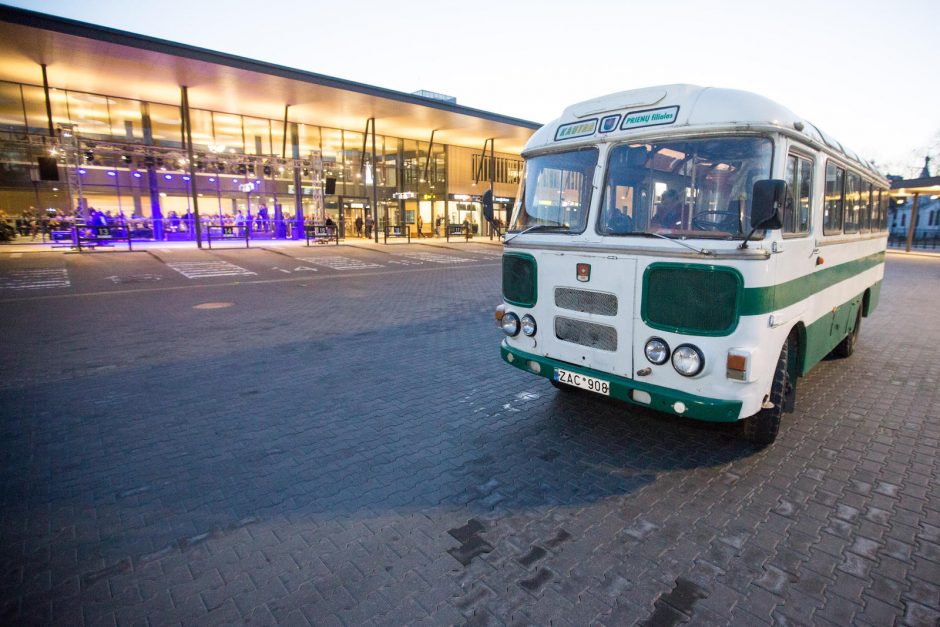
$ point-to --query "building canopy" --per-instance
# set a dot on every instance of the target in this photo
(90, 58)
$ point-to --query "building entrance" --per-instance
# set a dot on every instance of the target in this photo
(353, 208)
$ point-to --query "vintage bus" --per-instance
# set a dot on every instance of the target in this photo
(692, 250)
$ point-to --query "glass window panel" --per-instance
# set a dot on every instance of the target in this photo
(352, 163)
(699, 187)
(88, 111)
(309, 140)
(126, 124)
(883, 211)
(437, 170)
(258, 136)
(798, 208)
(832, 209)
(332, 149)
(409, 165)
(165, 125)
(277, 138)
(864, 217)
(60, 106)
(557, 192)
(389, 173)
(11, 106)
(228, 131)
(201, 121)
(853, 199)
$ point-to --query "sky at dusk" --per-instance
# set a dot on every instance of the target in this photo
(863, 71)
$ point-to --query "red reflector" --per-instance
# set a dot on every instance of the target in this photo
(584, 272)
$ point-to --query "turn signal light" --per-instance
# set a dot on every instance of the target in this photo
(737, 366)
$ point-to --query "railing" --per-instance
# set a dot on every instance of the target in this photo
(397, 230)
(464, 230)
(320, 234)
(922, 240)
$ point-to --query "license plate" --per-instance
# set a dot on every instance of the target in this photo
(584, 382)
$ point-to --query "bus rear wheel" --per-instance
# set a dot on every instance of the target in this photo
(762, 427)
(846, 347)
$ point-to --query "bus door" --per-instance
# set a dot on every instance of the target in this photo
(592, 306)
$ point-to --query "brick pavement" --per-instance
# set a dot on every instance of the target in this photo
(352, 451)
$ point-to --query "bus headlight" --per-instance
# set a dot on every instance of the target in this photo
(688, 360)
(510, 324)
(657, 351)
(528, 325)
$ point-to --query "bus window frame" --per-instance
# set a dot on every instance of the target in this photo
(833, 232)
(810, 226)
(758, 235)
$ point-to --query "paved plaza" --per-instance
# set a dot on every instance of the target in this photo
(328, 436)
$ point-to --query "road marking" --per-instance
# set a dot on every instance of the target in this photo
(305, 269)
(35, 279)
(486, 253)
(433, 257)
(204, 269)
(135, 278)
(340, 263)
(406, 262)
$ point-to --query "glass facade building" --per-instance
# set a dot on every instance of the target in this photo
(86, 154)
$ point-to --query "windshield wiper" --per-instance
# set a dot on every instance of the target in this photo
(701, 251)
(537, 227)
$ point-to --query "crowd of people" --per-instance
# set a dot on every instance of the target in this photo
(49, 224)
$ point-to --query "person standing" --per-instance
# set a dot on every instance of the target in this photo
(359, 226)
(369, 226)
(420, 225)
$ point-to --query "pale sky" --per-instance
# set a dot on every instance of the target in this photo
(863, 71)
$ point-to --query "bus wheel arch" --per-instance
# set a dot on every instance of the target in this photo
(796, 362)
(762, 427)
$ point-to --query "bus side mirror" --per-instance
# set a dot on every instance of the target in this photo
(767, 206)
(488, 206)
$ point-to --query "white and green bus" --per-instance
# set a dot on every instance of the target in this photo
(692, 250)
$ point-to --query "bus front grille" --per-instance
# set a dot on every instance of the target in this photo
(585, 333)
(586, 301)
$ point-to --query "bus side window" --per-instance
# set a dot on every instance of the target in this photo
(834, 200)
(798, 211)
(853, 201)
(864, 219)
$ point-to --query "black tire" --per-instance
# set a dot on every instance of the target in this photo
(846, 347)
(762, 427)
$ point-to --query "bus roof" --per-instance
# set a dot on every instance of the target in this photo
(678, 108)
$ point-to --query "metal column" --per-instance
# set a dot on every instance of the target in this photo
(192, 171)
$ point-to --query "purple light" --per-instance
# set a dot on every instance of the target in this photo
(137, 175)
(168, 177)
(185, 178)
(257, 182)
(82, 171)
(112, 173)
(212, 179)
(234, 180)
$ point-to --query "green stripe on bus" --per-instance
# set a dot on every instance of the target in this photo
(762, 300)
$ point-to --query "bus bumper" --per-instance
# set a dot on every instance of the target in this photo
(661, 399)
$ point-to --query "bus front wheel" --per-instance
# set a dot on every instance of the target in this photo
(762, 427)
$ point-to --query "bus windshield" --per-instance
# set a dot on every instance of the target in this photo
(683, 187)
(556, 193)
